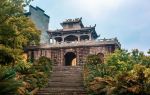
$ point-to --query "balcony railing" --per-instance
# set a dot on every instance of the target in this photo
(82, 43)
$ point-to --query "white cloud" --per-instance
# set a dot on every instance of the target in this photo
(95, 8)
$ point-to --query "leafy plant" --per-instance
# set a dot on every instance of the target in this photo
(9, 56)
(8, 83)
(93, 59)
(34, 75)
(123, 73)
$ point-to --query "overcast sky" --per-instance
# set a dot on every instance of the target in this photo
(128, 20)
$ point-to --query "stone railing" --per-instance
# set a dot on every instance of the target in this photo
(83, 43)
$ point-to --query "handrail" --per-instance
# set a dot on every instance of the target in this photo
(82, 43)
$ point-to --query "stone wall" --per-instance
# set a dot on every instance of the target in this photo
(58, 54)
(41, 21)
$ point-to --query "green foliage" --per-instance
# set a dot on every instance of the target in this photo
(22, 67)
(9, 8)
(16, 32)
(46, 64)
(8, 84)
(146, 61)
(148, 51)
(93, 59)
(120, 60)
(8, 55)
(98, 70)
(137, 56)
(123, 73)
(33, 75)
(134, 82)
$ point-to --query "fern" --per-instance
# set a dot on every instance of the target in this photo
(7, 82)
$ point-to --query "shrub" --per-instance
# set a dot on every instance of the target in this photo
(8, 55)
(43, 64)
(34, 75)
(8, 83)
(123, 73)
(93, 59)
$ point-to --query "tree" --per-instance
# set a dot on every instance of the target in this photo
(8, 55)
(148, 51)
(16, 30)
(123, 73)
(9, 8)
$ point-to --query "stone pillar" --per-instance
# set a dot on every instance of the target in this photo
(55, 41)
(49, 54)
(38, 54)
(49, 40)
(62, 57)
(52, 40)
(78, 37)
(77, 55)
(90, 36)
(35, 54)
(63, 39)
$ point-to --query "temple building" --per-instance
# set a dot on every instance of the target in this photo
(73, 31)
(71, 45)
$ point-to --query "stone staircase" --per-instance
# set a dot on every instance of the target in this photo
(64, 80)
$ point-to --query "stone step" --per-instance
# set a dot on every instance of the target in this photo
(58, 89)
(65, 75)
(68, 68)
(77, 71)
(63, 93)
(68, 71)
(66, 84)
(63, 79)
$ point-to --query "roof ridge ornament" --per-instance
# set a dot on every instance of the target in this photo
(73, 20)
(80, 18)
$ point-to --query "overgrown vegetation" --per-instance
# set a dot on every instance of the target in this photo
(17, 76)
(123, 73)
(8, 83)
(33, 76)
